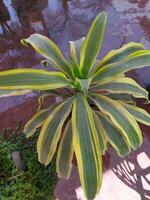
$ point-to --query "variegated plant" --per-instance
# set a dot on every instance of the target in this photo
(97, 107)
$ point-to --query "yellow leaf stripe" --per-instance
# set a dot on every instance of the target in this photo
(139, 114)
(121, 85)
(134, 60)
(75, 47)
(92, 43)
(100, 133)
(51, 131)
(65, 153)
(36, 121)
(119, 54)
(114, 135)
(7, 93)
(48, 49)
(121, 118)
(86, 147)
(32, 79)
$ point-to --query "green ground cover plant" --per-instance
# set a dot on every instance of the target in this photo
(35, 183)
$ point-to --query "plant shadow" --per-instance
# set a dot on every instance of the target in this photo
(134, 170)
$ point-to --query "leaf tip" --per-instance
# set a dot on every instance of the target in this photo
(24, 42)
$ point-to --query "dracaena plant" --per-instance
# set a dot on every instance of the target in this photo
(97, 107)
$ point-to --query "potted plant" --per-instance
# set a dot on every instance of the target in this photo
(97, 106)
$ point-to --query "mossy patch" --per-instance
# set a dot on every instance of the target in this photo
(37, 182)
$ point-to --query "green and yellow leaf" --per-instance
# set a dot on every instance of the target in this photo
(7, 93)
(135, 60)
(121, 118)
(86, 147)
(48, 49)
(37, 121)
(83, 84)
(122, 97)
(65, 153)
(75, 47)
(92, 44)
(32, 79)
(119, 54)
(102, 139)
(114, 136)
(75, 67)
(122, 85)
(138, 113)
(51, 131)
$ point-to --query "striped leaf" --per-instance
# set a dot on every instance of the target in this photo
(7, 93)
(114, 135)
(122, 97)
(55, 93)
(92, 44)
(32, 79)
(86, 147)
(138, 113)
(83, 84)
(133, 61)
(75, 47)
(37, 121)
(100, 133)
(119, 54)
(51, 131)
(121, 118)
(48, 49)
(122, 85)
(75, 67)
(65, 153)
